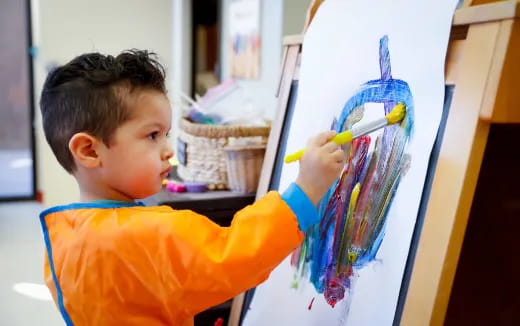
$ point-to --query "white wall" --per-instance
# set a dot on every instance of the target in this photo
(180, 76)
(262, 90)
(64, 29)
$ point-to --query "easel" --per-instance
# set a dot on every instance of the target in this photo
(483, 62)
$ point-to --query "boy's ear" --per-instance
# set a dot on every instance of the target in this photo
(83, 148)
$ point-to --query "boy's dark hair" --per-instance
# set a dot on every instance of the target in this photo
(89, 94)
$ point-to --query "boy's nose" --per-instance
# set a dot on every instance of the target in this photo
(167, 153)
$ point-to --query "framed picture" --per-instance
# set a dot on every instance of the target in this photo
(244, 40)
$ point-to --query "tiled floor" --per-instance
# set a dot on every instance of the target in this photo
(21, 260)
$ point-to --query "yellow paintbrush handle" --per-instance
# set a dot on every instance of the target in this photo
(294, 156)
(343, 137)
(340, 139)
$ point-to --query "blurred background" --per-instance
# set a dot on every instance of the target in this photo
(197, 41)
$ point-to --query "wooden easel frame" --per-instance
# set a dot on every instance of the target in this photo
(483, 62)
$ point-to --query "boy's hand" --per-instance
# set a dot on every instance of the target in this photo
(320, 166)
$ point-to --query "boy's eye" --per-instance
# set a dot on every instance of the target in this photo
(153, 135)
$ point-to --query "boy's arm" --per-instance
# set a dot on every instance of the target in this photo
(201, 264)
(205, 264)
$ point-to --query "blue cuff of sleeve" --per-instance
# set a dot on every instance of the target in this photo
(305, 211)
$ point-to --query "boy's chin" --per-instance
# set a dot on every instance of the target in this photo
(147, 193)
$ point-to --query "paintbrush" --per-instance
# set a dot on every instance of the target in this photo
(396, 115)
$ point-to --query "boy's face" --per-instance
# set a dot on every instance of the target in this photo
(136, 161)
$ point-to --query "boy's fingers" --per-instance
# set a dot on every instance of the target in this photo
(339, 156)
(330, 147)
(322, 138)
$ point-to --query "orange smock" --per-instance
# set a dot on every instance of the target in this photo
(116, 263)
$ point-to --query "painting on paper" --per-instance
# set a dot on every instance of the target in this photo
(349, 269)
(354, 214)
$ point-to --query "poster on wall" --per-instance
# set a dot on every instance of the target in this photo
(360, 58)
(244, 38)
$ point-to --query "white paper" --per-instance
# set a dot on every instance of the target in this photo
(341, 53)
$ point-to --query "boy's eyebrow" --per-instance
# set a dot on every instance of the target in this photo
(156, 124)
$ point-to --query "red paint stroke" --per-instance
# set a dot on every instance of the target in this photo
(310, 304)
(219, 322)
(334, 292)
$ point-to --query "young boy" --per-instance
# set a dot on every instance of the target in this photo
(111, 261)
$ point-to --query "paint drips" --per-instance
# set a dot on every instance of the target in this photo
(310, 304)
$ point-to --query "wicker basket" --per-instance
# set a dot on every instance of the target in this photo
(244, 165)
(201, 149)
